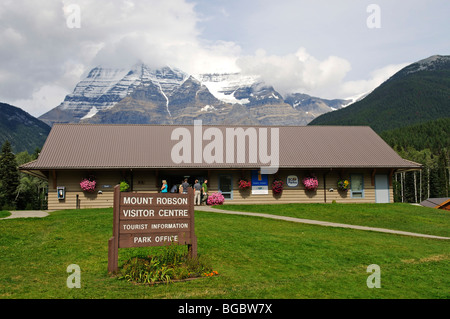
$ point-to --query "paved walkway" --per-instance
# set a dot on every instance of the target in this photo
(26, 214)
(316, 222)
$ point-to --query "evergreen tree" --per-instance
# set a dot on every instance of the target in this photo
(9, 175)
(31, 190)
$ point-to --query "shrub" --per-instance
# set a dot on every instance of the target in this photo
(171, 264)
(124, 186)
(215, 199)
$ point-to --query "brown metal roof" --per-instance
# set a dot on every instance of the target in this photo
(90, 146)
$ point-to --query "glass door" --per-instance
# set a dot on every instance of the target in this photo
(226, 186)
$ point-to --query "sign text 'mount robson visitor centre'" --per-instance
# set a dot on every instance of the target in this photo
(151, 219)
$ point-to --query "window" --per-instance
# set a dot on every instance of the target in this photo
(357, 185)
(225, 186)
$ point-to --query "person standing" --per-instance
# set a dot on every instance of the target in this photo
(205, 191)
(184, 186)
(197, 193)
(164, 186)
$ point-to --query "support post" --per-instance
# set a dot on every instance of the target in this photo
(113, 243)
(192, 247)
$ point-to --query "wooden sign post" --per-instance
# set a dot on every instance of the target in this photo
(150, 219)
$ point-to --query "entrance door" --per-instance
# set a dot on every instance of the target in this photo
(225, 186)
(381, 189)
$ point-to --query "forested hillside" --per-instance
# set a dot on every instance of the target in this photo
(23, 131)
(434, 135)
(417, 94)
(428, 144)
(411, 112)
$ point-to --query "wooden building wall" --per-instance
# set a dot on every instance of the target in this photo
(149, 181)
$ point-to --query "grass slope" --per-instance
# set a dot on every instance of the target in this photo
(255, 257)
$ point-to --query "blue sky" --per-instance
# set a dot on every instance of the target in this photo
(322, 48)
(409, 30)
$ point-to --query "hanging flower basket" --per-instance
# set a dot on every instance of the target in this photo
(277, 186)
(215, 199)
(244, 184)
(88, 184)
(310, 182)
(343, 185)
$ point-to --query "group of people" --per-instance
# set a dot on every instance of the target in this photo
(200, 191)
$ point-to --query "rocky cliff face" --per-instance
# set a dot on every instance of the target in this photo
(143, 95)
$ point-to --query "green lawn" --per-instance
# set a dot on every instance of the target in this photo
(255, 258)
(4, 214)
(399, 216)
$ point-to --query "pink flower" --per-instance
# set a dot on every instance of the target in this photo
(243, 184)
(87, 185)
(215, 199)
(277, 186)
(311, 183)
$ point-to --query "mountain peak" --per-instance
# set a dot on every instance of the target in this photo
(168, 95)
(432, 63)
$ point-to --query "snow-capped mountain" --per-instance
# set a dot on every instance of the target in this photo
(170, 96)
(103, 88)
(224, 86)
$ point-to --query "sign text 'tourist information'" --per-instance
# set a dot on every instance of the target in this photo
(151, 219)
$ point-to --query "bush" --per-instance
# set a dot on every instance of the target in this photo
(171, 264)
(215, 199)
(124, 186)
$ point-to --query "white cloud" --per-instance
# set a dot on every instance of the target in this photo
(376, 78)
(300, 72)
(42, 53)
(42, 58)
(296, 72)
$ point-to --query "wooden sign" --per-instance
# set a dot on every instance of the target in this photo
(151, 219)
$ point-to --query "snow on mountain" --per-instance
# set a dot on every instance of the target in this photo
(355, 98)
(169, 95)
(103, 87)
(224, 86)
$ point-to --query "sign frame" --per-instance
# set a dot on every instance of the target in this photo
(147, 223)
(292, 181)
(260, 183)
